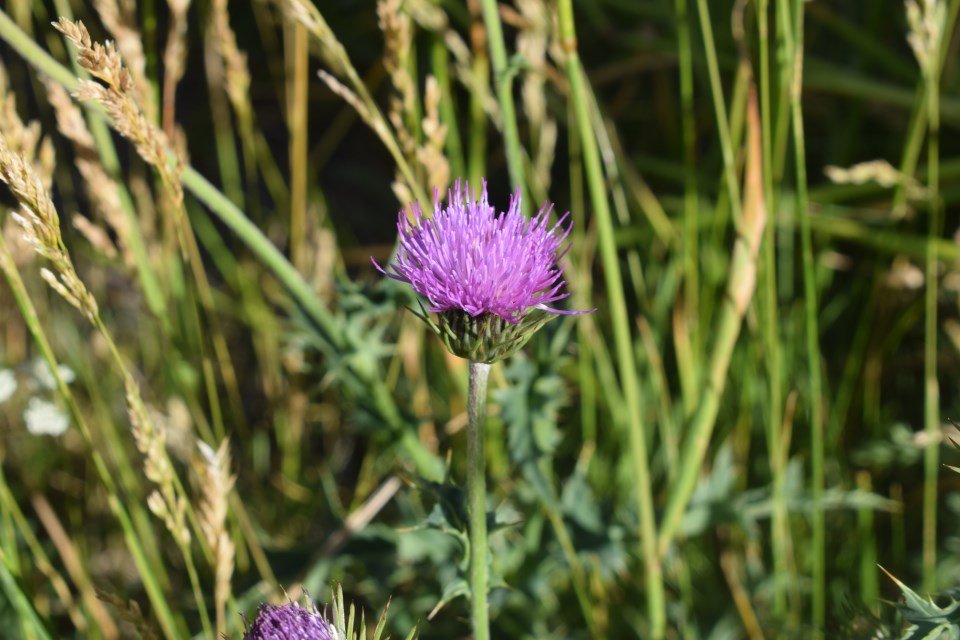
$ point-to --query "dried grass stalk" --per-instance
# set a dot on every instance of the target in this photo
(41, 226)
(532, 43)
(166, 502)
(430, 154)
(103, 61)
(119, 22)
(101, 189)
(174, 60)
(427, 151)
(217, 482)
(26, 141)
(236, 79)
(398, 41)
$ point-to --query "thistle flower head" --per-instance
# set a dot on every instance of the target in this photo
(291, 621)
(490, 277)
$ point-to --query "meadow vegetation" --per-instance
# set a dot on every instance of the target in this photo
(211, 399)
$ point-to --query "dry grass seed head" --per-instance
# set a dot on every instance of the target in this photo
(427, 15)
(164, 502)
(95, 235)
(26, 140)
(118, 21)
(174, 59)
(104, 62)
(70, 120)
(100, 188)
(430, 154)
(237, 75)
(332, 52)
(533, 41)
(41, 226)
(926, 20)
(217, 482)
(397, 31)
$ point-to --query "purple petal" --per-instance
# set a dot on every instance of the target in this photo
(467, 257)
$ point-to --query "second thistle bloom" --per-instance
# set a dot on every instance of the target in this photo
(490, 277)
(291, 621)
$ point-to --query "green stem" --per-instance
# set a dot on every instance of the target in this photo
(477, 497)
(503, 80)
(931, 404)
(794, 42)
(440, 58)
(298, 126)
(719, 105)
(691, 254)
(29, 49)
(197, 591)
(20, 602)
(333, 53)
(32, 320)
(477, 142)
(779, 525)
(265, 251)
(738, 294)
(869, 588)
(302, 293)
(653, 572)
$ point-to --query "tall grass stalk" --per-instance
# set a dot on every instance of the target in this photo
(440, 59)
(653, 571)
(741, 284)
(929, 64)
(149, 282)
(223, 130)
(20, 526)
(32, 626)
(131, 536)
(869, 585)
(334, 55)
(719, 105)
(503, 81)
(691, 279)
(918, 119)
(480, 69)
(779, 525)
(931, 385)
(794, 43)
(297, 120)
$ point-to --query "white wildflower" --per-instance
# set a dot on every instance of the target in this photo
(8, 384)
(43, 374)
(45, 418)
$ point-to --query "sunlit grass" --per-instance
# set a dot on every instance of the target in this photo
(755, 419)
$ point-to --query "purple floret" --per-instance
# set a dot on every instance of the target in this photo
(290, 622)
(469, 258)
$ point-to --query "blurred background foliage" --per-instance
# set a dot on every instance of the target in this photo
(345, 418)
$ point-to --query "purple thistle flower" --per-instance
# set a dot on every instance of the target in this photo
(467, 257)
(483, 272)
(290, 622)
